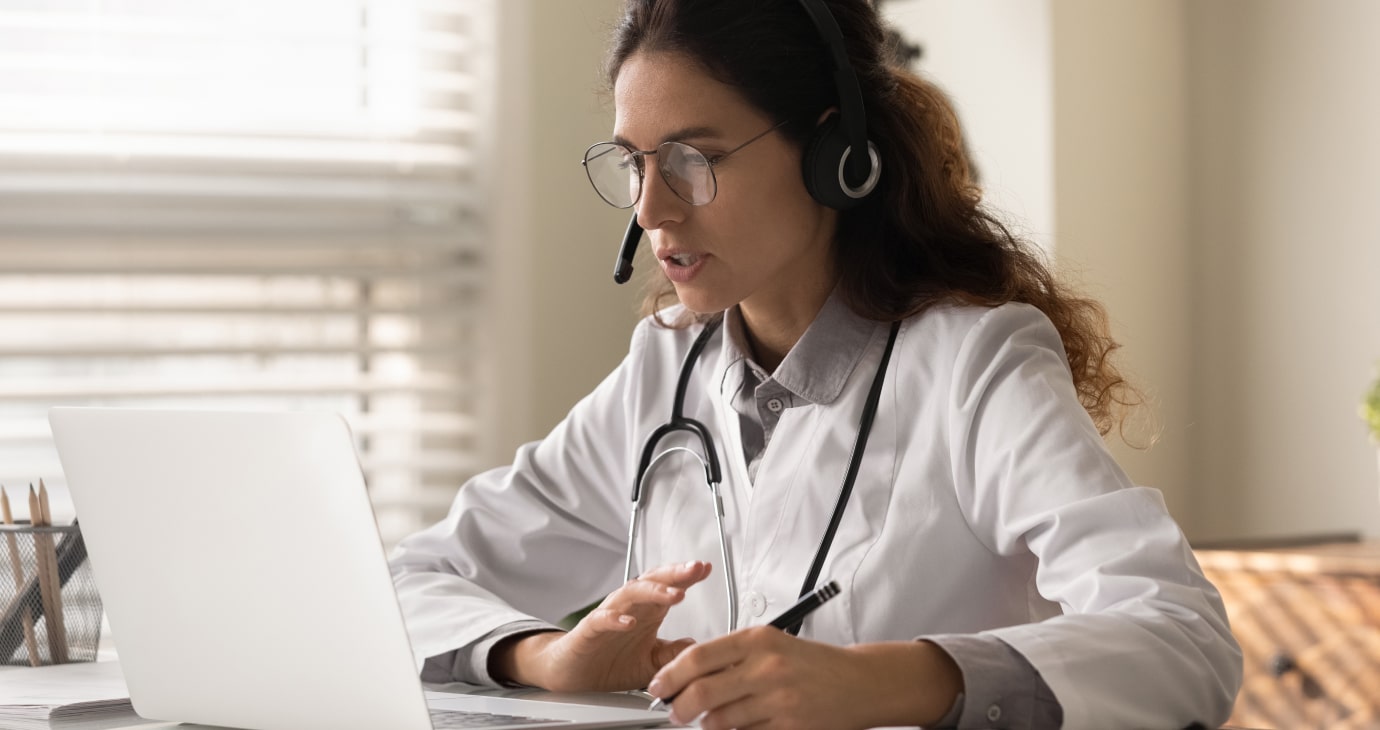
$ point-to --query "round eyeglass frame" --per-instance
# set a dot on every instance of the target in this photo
(663, 152)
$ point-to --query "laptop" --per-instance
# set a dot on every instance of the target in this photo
(243, 576)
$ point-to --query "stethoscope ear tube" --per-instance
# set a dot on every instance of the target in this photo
(635, 519)
(678, 420)
(712, 473)
(710, 461)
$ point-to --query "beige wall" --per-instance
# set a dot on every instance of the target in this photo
(562, 324)
(992, 57)
(1121, 207)
(1285, 113)
(1216, 163)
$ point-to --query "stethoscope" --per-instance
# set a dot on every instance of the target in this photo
(713, 475)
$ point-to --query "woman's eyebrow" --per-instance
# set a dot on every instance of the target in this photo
(679, 135)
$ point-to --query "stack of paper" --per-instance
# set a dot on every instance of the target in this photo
(73, 696)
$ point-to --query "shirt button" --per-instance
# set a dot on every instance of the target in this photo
(993, 713)
(775, 405)
(755, 603)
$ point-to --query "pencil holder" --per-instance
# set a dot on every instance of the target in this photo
(51, 609)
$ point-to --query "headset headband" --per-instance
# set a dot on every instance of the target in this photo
(854, 118)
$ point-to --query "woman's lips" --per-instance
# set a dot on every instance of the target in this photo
(682, 267)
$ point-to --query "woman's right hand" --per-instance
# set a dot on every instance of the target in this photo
(614, 647)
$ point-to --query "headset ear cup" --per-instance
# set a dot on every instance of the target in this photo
(820, 165)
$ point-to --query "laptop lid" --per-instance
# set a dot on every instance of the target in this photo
(242, 573)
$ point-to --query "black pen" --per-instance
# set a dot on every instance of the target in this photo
(793, 615)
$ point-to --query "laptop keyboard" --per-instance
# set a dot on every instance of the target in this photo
(447, 719)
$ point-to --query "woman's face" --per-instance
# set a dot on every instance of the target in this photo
(763, 241)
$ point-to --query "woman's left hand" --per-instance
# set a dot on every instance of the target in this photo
(764, 677)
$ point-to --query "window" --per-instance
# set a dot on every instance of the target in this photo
(247, 204)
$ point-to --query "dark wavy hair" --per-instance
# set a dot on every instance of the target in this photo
(923, 237)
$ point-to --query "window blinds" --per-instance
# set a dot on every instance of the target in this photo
(247, 204)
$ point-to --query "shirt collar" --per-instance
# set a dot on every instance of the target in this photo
(819, 365)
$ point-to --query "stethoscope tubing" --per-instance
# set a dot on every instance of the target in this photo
(713, 475)
(874, 395)
(730, 584)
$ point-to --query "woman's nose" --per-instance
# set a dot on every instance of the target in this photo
(659, 204)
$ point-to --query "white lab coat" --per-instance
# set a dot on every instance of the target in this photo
(986, 502)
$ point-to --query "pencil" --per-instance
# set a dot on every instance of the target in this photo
(45, 585)
(17, 570)
(53, 579)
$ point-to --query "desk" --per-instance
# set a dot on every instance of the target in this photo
(1308, 621)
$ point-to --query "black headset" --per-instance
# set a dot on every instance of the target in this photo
(835, 175)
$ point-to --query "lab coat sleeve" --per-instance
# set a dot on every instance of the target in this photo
(534, 540)
(1143, 640)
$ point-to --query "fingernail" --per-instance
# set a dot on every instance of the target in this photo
(692, 564)
(625, 619)
(654, 687)
(671, 589)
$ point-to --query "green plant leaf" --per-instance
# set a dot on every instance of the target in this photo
(1370, 409)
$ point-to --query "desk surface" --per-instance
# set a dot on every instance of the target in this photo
(111, 675)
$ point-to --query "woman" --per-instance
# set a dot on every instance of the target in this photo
(997, 567)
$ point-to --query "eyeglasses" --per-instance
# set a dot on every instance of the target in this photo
(616, 170)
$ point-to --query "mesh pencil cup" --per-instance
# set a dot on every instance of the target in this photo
(50, 611)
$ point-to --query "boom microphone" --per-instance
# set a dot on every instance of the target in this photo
(622, 267)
